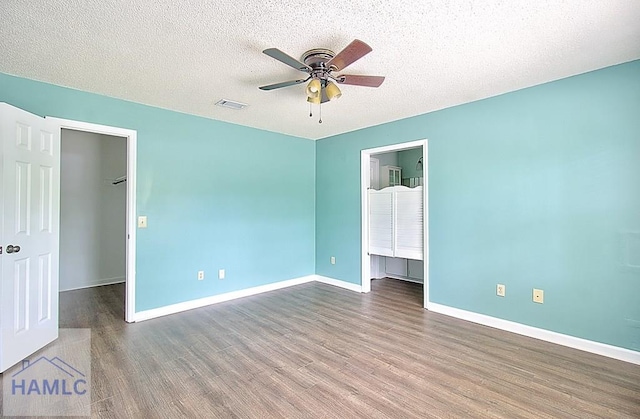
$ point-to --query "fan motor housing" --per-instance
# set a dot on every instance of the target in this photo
(317, 58)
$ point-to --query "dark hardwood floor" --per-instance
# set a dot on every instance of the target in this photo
(318, 351)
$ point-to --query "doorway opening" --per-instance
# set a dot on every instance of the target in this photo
(100, 161)
(371, 168)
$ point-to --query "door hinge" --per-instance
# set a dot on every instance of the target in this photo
(0, 250)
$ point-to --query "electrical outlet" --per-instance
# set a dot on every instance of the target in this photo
(221, 274)
(538, 296)
(500, 290)
(333, 260)
(200, 275)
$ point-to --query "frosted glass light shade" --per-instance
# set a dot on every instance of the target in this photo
(313, 88)
(332, 91)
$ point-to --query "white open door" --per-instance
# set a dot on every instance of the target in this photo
(29, 233)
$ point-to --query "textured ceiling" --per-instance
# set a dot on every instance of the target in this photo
(185, 55)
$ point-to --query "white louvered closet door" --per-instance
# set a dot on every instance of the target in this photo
(408, 223)
(396, 222)
(381, 222)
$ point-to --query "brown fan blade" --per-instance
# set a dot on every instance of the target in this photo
(368, 81)
(282, 84)
(352, 52)
(288, 60)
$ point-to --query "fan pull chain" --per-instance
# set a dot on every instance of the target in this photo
(311, 114)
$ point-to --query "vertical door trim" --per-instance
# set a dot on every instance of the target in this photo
(376, 171)
(375, 166)
(132, 138)
(365, 180)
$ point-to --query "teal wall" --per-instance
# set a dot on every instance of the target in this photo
(217, 195)
(407, 159)
(387, 159)
(535, 188)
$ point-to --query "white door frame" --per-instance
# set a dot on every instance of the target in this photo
(365, 173)
(131, 136)
(374, 166)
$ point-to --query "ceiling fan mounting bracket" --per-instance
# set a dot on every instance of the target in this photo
(317, 57)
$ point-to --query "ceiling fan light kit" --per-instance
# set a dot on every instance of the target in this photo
(313, 88)
(319, 64)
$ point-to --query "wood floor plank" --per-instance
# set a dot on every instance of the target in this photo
(316, 351)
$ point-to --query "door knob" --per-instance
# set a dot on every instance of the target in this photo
(13, 249)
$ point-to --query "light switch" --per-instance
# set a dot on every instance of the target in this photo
(142, 221)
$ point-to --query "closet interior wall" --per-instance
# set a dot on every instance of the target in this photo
(92, 209)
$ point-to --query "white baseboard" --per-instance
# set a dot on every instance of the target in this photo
(339, 283)
(98, 283)
(598, 348)
(403, 278)
(201, 302)
(509, 326)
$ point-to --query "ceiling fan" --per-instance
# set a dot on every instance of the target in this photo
(319, 64)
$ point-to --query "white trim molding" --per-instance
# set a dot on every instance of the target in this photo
(339, 283)
(98, 283)
(215, 299)
(598, 348)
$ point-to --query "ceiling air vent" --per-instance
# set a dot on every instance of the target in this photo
(231, 104)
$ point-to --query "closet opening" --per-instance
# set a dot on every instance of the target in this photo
(97, 210)
(394, 187)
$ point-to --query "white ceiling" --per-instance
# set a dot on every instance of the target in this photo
(185, 55)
